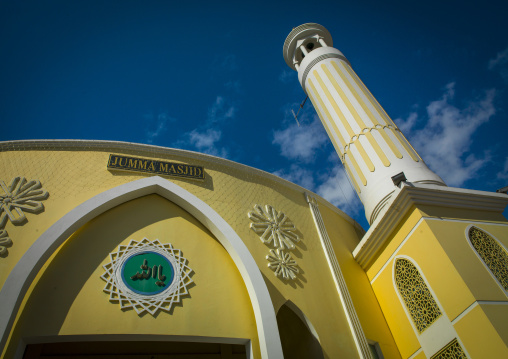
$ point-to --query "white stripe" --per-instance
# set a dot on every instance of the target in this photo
(397, 249)
(415, 353)
(345, 298)
(472, 306)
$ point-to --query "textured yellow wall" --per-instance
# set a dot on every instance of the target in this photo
(364, 299)
(455, 274)
(399, 233)
(473, 272)
(480, 338)
(74, 176)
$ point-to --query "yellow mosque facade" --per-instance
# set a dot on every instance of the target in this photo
(119, 250)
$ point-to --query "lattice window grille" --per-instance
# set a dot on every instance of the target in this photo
(416, 295)
(492, 253)
(452, 350)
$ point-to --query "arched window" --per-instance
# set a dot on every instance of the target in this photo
(417, 297)
(492, 254)
(452, 350)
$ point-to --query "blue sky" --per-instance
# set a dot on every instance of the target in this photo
(210, 77)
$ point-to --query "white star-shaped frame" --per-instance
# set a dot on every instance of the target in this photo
(119, 292)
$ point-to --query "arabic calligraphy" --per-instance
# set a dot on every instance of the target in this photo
(147, 272)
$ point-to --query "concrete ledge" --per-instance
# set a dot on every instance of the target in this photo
(422, 194)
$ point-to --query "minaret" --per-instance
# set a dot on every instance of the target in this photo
(369, 144)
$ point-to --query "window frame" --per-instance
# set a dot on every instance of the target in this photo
(499, 243)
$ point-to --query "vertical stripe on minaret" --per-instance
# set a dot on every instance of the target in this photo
(370, 145)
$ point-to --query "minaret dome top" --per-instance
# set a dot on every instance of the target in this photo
(310, 36)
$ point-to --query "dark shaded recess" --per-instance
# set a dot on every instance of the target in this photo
(135, 350)
(297, 340)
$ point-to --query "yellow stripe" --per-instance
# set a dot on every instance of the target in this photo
(332, 138)
(357, 168)
(378, 149)
(334, 105)
(343, 96)
(364, 155)
(323, 119)
(404, 142)
(368, 94)
(355, 94)
(367, 110)
(337, 147)
(357, 118)
(353, 179)
(361, 150)
(390, 143)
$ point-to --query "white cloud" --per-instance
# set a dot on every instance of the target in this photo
(305, 144)
(500, 63)
(220, 111)
(202, 140)
(503, 175)
(296, 174)
(406, 125)
(445, 140)
(335, 188)
(228, 62)
(205, 142)
(235, 86)
(500, 59)
(160, 126)
(206, 138)
(286, 76)
(300, 143)
(224, 63)
(331, 184)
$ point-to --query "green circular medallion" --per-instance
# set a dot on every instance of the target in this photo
(147, 273)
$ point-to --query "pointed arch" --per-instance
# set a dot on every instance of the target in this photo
(302, 317)
(492, 253)
(415, 294)
(298, 336)
(21, 277)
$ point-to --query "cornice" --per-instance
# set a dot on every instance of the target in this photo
(155, 151)
(422, 194)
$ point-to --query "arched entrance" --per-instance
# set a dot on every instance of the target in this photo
(25, 271)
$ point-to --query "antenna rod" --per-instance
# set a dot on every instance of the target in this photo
(301, 106)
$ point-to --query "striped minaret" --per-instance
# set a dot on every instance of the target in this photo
(369, 144)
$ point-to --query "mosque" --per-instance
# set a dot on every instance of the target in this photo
(113, 250)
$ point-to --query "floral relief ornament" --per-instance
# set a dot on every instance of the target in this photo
(275, 227)
(282, 263)
(19, 197)
(4, 242)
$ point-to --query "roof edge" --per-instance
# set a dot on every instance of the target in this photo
(153, 150)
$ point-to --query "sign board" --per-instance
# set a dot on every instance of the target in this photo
(135, 164)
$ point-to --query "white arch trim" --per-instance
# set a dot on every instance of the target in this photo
(21, 277)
